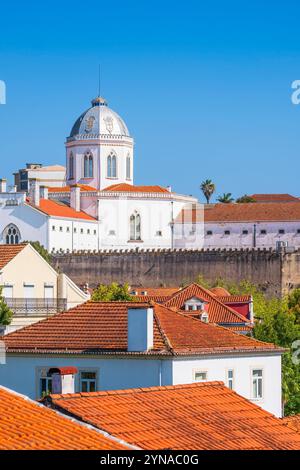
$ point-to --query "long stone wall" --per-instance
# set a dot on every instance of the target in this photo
(275, 272)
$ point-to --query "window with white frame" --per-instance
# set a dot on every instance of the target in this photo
(11, 235)
(135, 227)
(112, 165)
(128, 167)
(200, 376)
(71, 166)
(257, 384)
(88, 167)
(44, 382)
(88, 381)
(230, 379)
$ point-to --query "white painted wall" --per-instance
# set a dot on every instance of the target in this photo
(217, 367)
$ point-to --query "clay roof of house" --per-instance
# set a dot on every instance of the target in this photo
(219, 291)
(123, 187)
(293, 422)
(27, 425)
(61, 209)
(67, 189)
(203, 416)
(101, 328)
(155, 291)
(8, 252)
(235, 299)
(274, 198)
(217, 311)
(252, 212)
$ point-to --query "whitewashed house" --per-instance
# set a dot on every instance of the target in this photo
(32, 289)
(120, 345)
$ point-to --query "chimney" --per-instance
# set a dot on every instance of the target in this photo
(34, 192)
(75, 198)
(63, 379)
(44, 192)
(2, 185)
(140, 329)
(169, 188)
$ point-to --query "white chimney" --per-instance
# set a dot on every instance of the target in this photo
(44, 192)
(34, 192)
(169, 188)
(140, 329)
(75, 198)
(63, 379)
(2, 185)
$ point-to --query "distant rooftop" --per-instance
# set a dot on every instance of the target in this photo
(274, 198)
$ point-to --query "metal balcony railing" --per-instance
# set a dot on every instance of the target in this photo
(36, 307)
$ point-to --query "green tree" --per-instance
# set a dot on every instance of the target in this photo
(208, 188)
(245, 199)
(294, 304)
(41, 250)
(5, 313)
(226, 198)
(112, 292)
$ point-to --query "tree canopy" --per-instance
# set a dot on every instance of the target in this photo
(5, 313)
(112, 292)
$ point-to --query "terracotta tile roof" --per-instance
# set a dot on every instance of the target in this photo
(123, 187)
(206, 416)
(60, 209)
(233, 299)
(274, 198)
(101, 328)
(155, 291)
(66, 189)
(8, 252)
(292, 422)
(253, 212)
(217, 311)
(219, 291)
(27, 425)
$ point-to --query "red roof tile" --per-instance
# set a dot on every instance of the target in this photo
(205, 416)
(123, 187)
(27, 425)
(101, 328)
(67, 189)
(292, 422)
(217, 311)
(274, 198)
(253, 212)
(8, 252)
(60, 209)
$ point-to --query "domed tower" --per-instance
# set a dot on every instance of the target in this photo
(99, 149)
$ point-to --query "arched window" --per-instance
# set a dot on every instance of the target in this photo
(88, 169)
(112, 165)
(128, 167)
(11, 235)
(71, 166)
(135, 227)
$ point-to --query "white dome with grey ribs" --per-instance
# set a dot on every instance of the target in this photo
(98, 120)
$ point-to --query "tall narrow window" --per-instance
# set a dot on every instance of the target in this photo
(71, 166)
(88, 169)
(112, 165)
(11, 235)
(128, 167)
(135, 227)
(88, 381)
(230, 378)
(257, 384)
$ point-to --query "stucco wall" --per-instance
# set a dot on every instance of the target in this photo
(274, 272)
(21, 373)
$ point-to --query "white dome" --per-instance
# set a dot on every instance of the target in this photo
(99, 120)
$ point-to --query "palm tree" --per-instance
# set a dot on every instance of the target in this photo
(226, 198)
(208, 188)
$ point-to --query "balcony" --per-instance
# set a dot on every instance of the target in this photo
(36, 307)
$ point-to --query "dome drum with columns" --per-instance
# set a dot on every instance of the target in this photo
(99, 148)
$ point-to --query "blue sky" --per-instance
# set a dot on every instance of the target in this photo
(204, 87)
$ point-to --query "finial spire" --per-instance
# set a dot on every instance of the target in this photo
(99, 80)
